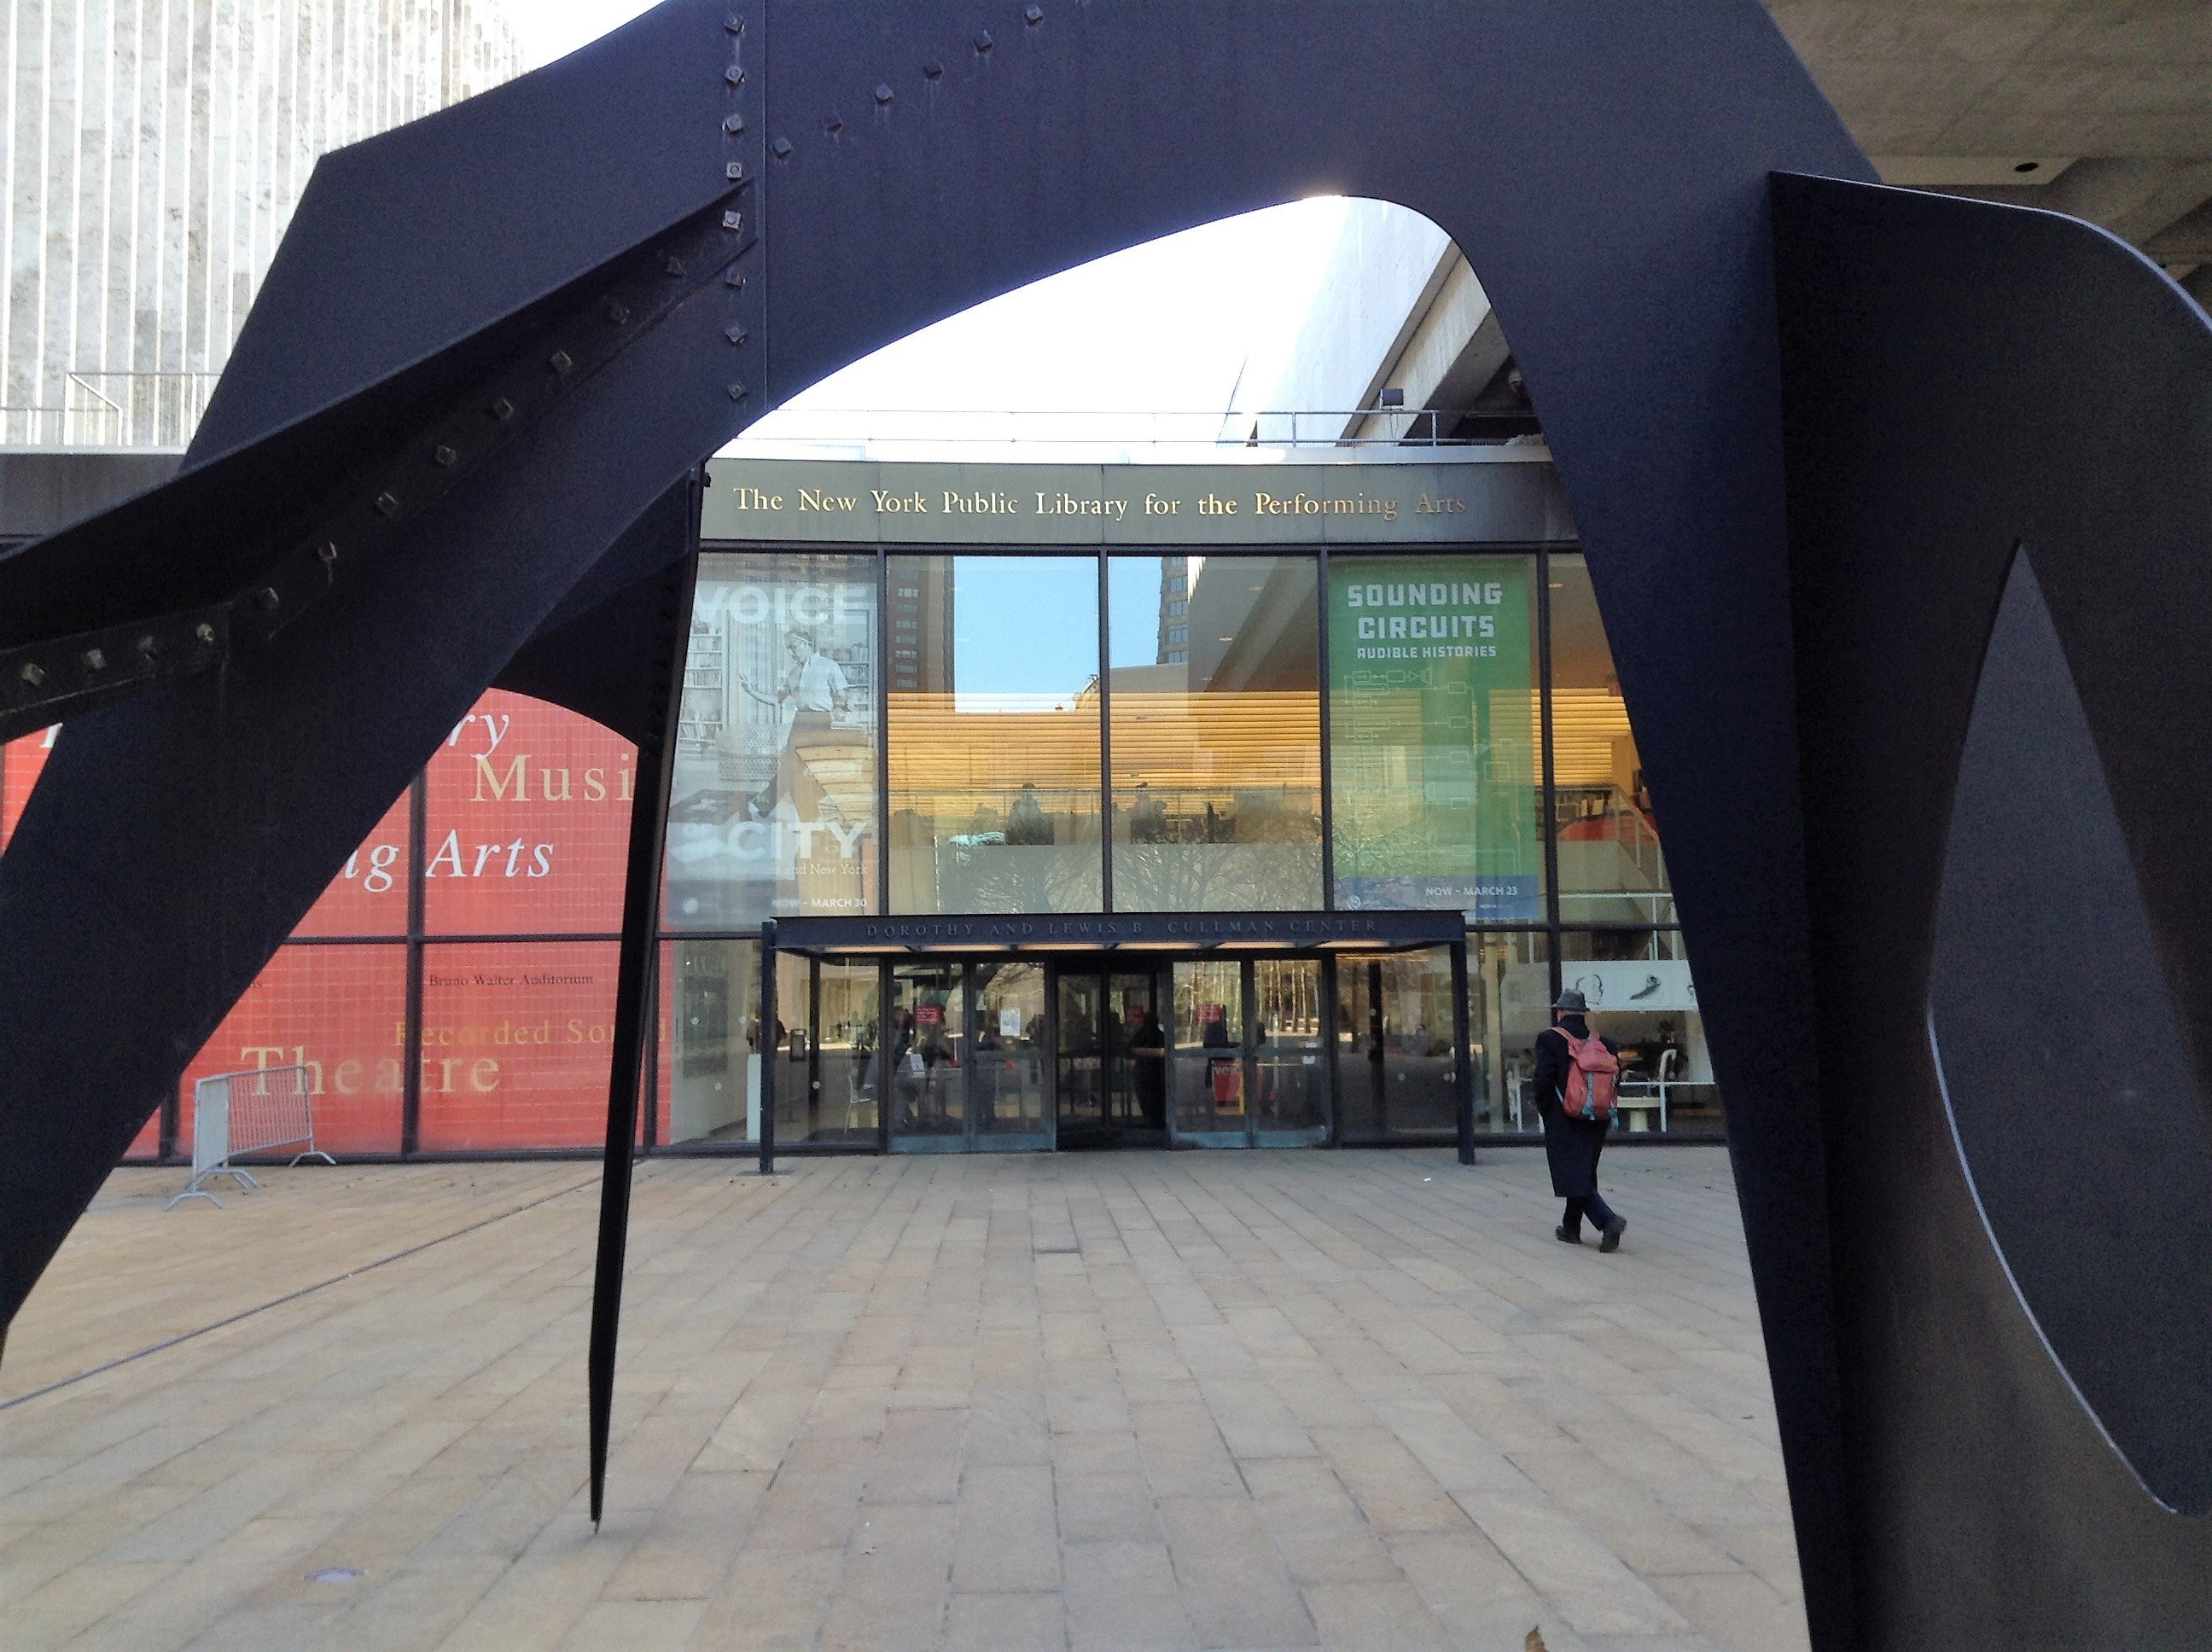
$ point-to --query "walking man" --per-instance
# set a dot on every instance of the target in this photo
(1578, 1077)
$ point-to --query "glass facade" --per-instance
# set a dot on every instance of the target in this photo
(1434, 735)
(773, 799)
(1640, 990)
(709, 1070)
(1215, 728)
(899, 731)
(995, 777)
(1611, 870)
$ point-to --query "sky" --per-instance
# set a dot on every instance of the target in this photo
(1096, 354)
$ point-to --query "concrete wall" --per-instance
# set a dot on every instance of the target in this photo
(1389, 264)
(41, 492)
(151, 152)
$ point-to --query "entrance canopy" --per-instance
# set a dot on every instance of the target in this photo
(1196, 931)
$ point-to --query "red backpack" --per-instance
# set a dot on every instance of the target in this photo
(1592, 1077)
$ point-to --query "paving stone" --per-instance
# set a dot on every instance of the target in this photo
(1005, 1622)
(1182, 1451)
(1740, 1611)
(686, 1548)
(918, 1459)
(1392, 1491)
(636, 1626)
(1121, 1597)
(1265, 1400)
(891, 1592)
(1234, 1587)
(771, 1600)
(1591, 1585)
(1008, 1539)
(1386, 1616)
(1316, 1526)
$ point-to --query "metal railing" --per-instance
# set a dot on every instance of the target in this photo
(260, 1110)
(1102, 427)
(162, 409)
(114, 409)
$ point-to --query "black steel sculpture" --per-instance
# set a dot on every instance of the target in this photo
(453, 440)
(2000, 433)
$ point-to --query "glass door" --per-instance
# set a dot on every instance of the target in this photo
(1205, 1061)
(1394, 1060)
(1290, 1065)
(1008, 1104)
(927, 1065)
(1081, 1061)
(1136, 1069)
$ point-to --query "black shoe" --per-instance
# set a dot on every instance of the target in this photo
(1565, 1237)
(1614, 1230)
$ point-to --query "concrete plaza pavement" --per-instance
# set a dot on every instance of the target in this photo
(1359, 1400)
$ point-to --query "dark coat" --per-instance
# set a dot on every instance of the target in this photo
(1572, 1144)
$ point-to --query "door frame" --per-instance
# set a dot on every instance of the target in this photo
(971, 1138)
(1148, 937)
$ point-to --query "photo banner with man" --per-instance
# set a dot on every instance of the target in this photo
(772, 808)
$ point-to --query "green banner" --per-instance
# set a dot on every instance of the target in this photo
(1433, 736)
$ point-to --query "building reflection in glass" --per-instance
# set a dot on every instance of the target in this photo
(1214, 703)
(993, 724)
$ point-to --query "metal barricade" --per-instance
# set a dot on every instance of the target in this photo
(261, 1110)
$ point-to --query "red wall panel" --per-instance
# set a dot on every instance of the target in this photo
(20, 761)
(528, 808)
(369, 894)
(341, 1011)
(516, 1039)
(529, 823)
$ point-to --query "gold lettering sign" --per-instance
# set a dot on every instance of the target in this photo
(1504, 496)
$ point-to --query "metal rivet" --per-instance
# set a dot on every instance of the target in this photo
(442, 456)
(150, 645)
(327, 553)
(674, 266)
(734, 123)
(203, 633)
(387, 504)
(95, 660)
(781, 148)
(502, 410)
(933, 69)
(617, 311)
(1036, 16)
(32, 675)
(562, 363)
(734, 75)
(737, 392)
(735, 334)
(983, 40)
(266, 599)
(733, 221)
(735, 172)
(733, 281)
(883, 94)
(733, 25)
